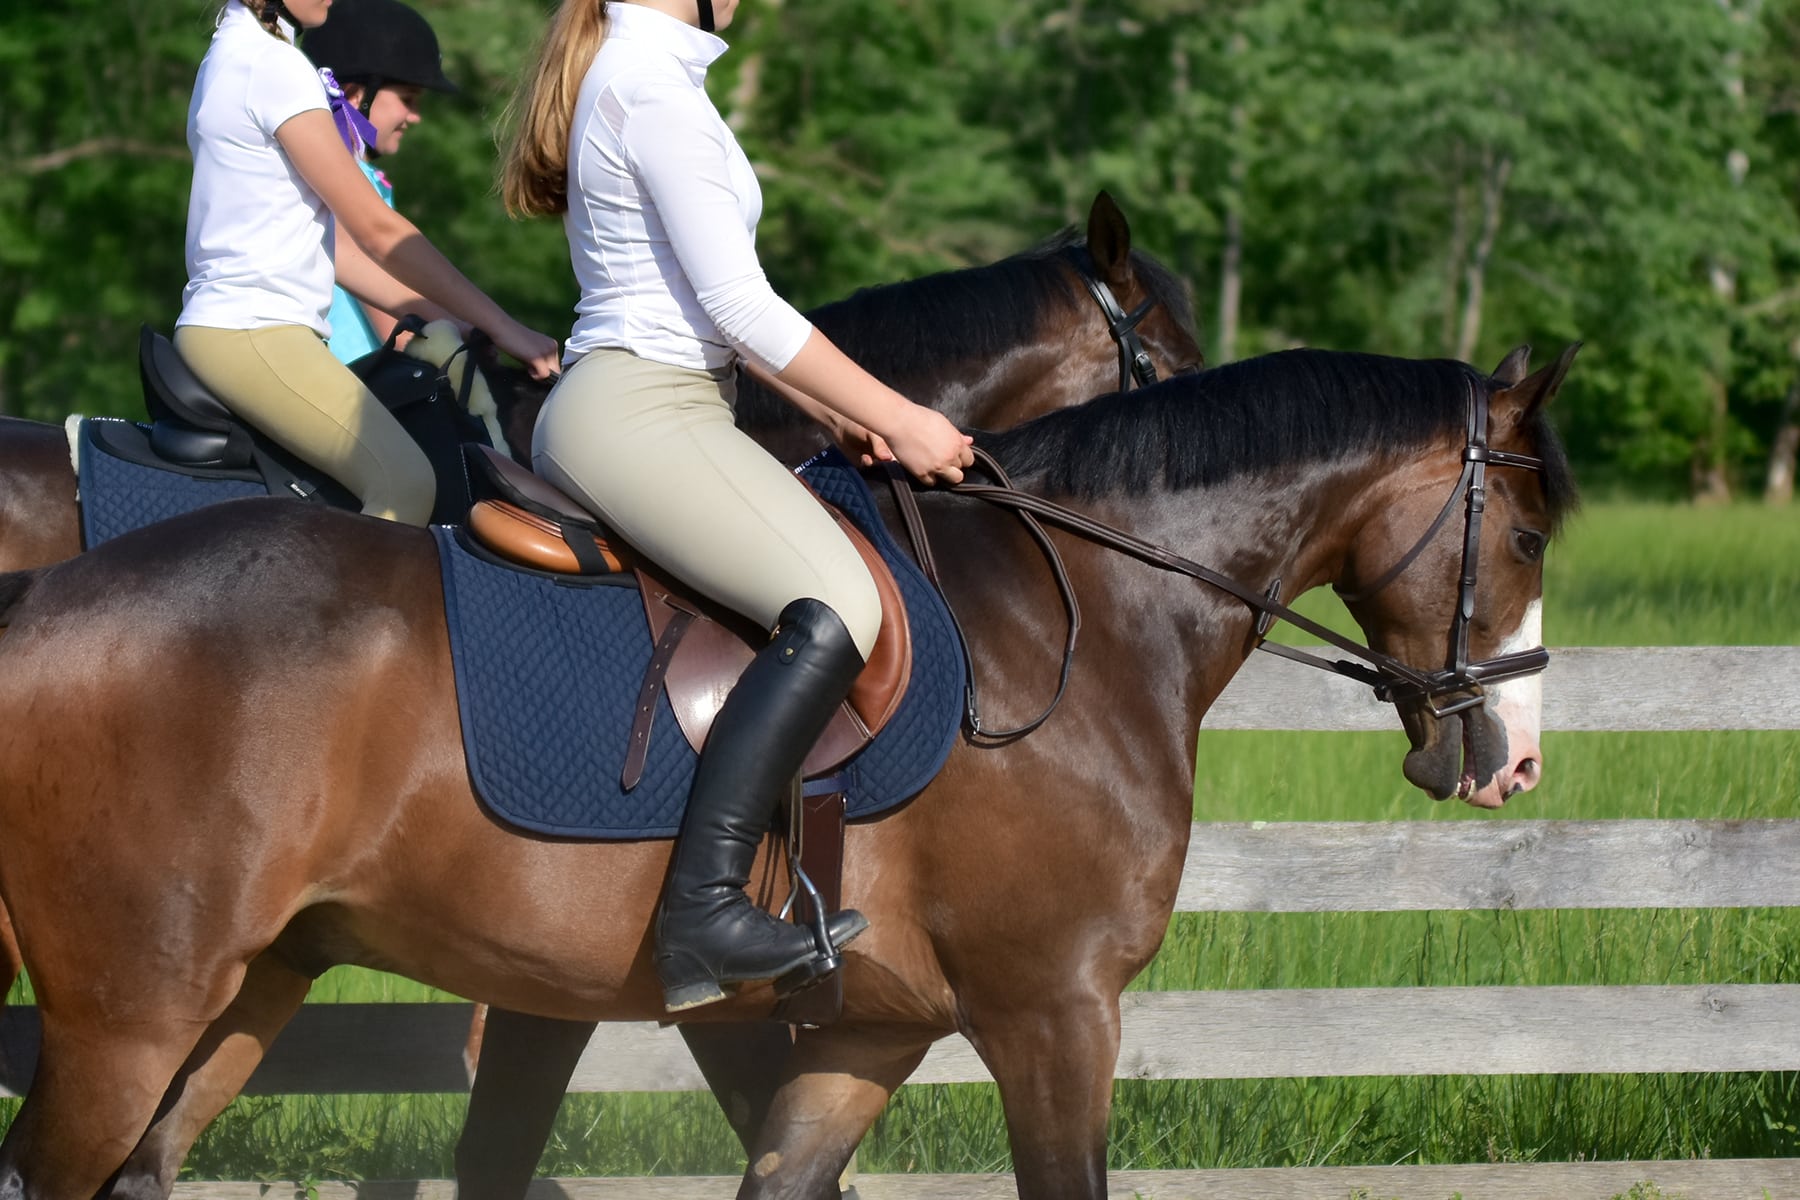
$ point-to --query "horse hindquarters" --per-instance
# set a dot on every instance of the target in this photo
(40, 522)
(146, 892)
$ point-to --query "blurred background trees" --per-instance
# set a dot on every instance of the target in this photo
(1417, 177)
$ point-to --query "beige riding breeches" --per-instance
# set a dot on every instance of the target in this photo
(651, 449)
(282, 380)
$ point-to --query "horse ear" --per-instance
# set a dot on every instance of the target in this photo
(1513, 367)
(1109, 240)
(1525, 398)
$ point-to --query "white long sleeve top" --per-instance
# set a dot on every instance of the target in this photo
(258, 237)
(663, 205)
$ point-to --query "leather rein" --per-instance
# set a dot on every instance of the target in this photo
(1135, 364)
(1393, 681)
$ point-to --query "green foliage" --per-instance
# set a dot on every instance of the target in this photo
(1420, 177)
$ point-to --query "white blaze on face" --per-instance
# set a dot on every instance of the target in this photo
(1519, 703)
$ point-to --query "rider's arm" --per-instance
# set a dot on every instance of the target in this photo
(681, 156)
(312, 145)
(383, 298)
(854, 439)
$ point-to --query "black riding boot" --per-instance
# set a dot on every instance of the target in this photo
(708, 933)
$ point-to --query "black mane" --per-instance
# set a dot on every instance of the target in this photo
(970, 315)
(1294, 406)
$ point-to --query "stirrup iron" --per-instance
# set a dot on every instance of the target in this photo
(826, 958)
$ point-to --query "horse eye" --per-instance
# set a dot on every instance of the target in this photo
(1530, 544)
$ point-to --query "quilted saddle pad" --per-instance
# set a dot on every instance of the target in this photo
(548, 669)
(123, 489)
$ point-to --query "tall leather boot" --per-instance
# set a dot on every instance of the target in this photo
(708, 933)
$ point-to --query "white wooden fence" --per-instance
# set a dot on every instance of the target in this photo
(1300, 867)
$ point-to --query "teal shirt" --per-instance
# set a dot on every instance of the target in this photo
(351, 336)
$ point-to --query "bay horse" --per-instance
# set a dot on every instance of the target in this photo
(230, 758)
(989, 346)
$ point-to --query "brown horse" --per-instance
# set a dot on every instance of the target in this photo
(231, 758)
(988, 345)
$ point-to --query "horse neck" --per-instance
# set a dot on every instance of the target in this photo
(1148, 633)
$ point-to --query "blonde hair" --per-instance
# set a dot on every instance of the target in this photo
(264, 12)
(534, 168)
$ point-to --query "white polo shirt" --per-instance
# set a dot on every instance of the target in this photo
(663, 206)
(258, 238)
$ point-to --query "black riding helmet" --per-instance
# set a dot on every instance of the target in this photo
(376, 43)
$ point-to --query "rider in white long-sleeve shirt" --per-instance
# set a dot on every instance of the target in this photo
(660, 206)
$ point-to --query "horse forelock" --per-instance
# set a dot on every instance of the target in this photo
(1282, 409)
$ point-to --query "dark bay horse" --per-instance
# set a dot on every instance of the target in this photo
(200, 813)
(988, 345)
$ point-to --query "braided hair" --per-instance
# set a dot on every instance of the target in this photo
(267, 12)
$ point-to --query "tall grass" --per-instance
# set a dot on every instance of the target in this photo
(1625, 574)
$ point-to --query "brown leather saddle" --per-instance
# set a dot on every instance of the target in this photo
(700, 650)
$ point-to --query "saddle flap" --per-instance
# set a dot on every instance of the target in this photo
(171, 389)
(712, 653)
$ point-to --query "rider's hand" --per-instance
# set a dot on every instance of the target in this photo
(535, 350)
(930, 448)
(859, 444)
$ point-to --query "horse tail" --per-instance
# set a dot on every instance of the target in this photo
(14, 586)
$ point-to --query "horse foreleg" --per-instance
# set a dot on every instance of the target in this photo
(837, 1081)
(520, 1077)
(1055, 1071)
(98, 1084)
(213, 1075)
(743, 1062)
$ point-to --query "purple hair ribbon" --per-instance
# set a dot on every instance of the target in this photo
(352, 126)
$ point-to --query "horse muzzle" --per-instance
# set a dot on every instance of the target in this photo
(1460, 755)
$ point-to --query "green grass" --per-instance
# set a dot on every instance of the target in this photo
(1625, 574)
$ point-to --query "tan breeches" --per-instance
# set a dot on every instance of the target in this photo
(652, 451)
(282, 380)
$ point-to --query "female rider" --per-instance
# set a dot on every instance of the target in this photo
(270, 176)
(384, 56)
(615, 132)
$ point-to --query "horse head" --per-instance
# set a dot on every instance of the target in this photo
(1457, 608)
(1145, 304)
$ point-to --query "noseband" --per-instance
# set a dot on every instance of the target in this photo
(1392, 680)
(1134, 360)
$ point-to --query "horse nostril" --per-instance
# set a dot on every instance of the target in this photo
(1525, 775)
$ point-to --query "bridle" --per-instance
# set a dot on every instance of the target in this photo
(1392, 680)
(1134, 360)
(1459, 677)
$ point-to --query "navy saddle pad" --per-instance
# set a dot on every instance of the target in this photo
(548, 669)
(123, 487)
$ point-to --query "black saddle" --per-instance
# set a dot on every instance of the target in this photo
(191, 431)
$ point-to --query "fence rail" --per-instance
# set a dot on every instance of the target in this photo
(1300, 867)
